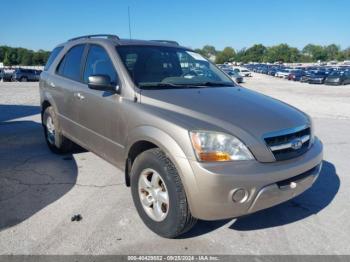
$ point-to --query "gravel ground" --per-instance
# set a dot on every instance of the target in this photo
(40, 192)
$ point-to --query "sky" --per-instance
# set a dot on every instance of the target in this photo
(42, 24)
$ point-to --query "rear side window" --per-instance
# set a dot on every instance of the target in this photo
(99, 63)
(52, 57)
(71, 63)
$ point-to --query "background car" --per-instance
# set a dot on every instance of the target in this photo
(6, 74)
(308, 73)
(242, 71)
(272, 71)
(283, 73)
(338, 78)
(245, 72)
(317, 78)
(235, 76)
(296, 75)
(24, 75)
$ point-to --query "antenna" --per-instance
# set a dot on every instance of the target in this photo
(129, 22)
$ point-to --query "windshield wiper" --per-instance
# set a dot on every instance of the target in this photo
(183, 85)
(212, 84)
(158, 85)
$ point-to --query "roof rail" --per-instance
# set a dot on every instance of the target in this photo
(166, 42)
(115, 37)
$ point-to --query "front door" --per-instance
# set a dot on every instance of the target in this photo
(100, 112)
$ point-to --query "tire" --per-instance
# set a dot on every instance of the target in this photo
(176, 217)
(56, 142)
(24, 79)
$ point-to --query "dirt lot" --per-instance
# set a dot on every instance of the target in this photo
(40, 192)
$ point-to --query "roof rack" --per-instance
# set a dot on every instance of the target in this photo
(166, 42)
(115, 37)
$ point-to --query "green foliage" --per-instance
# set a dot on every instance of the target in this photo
(208, 51)
(316, 52)
(277, 53)
(282, 53)
(228, 54)
(256, 52)
(20, 56)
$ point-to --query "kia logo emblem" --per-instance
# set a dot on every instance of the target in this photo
(296, 143)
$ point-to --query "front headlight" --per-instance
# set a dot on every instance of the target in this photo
(312, 131)
(215, 146)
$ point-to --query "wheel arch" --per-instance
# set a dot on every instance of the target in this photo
(47, 101)
(143, 138)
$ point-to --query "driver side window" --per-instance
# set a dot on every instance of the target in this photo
(99, 63)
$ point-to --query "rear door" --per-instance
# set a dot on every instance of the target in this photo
(64, 84)
(347, 77)
(31, 75)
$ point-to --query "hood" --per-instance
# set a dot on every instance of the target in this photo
(230, 109)
(318, 76)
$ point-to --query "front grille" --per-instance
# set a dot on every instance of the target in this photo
(286, 147)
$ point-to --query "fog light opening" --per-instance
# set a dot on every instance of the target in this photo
(239, 195)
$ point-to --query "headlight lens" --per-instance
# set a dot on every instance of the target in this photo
(312, 131)
(215, 146)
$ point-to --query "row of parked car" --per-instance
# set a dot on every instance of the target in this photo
(236, 73)
(312, 75)
(19, 74)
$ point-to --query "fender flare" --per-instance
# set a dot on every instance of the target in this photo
(173, 151)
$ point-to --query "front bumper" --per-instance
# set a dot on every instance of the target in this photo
(332, 83)
(265, 184)
(316, 81)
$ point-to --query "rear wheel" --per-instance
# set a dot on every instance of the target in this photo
(24, 79)
(159, 196)
(54, 138)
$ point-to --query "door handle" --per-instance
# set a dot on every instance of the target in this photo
(79, 96)
(52, 84)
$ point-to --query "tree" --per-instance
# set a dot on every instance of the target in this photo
(225, 55)
(2, 53)
(346, 53)
(40, 57)
(27, 58)
(332, 51)
(208, 51)
(6, 60)
(282, 53)
(12, 57)
(255, 53)
(240, 56)
(22, 56)
(316, 52)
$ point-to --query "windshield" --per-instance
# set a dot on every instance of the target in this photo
(233, 73)
(336, 73)
(157, 66)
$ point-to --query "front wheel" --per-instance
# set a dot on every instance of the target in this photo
(159, 196)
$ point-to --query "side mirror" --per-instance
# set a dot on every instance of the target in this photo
(101, 83)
